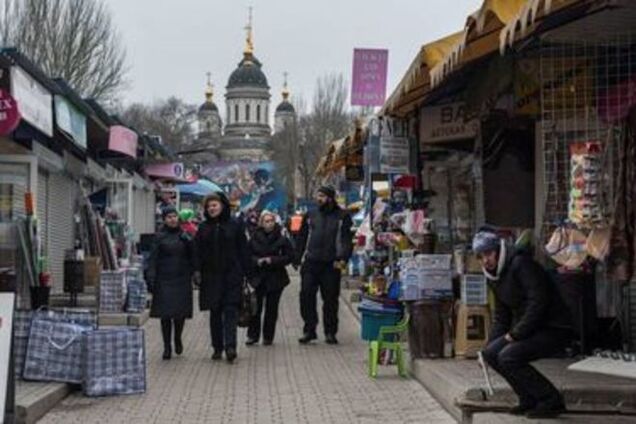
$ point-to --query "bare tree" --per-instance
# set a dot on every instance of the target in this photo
(72, 39)
(172, 119)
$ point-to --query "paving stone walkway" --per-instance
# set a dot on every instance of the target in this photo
(283, 383)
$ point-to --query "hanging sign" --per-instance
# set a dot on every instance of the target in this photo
(36, 102)
(446, 123)
(369, 77)
(9, 113)
(394, 155)
(123, 140)
(174, 170)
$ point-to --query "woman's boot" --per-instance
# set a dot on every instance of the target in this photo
(178, 331)
(166, 327)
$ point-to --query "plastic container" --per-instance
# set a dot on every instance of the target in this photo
(372, 320)
(474, 290)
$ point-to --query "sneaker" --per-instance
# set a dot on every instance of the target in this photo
(307, 337)
(250, 341)
(217, 355)
(331, 339)
(546, 410)
(230, 355)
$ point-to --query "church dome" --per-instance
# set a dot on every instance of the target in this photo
(285, 106)
(249, 74)
(208, 106)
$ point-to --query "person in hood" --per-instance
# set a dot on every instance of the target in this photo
(530, 323)
(324, 246)
(270, 252)
(220, 246)
(169, 279)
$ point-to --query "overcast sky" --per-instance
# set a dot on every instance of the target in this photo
(171, 44)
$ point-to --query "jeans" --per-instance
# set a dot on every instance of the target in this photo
(270, 300)
(323, 276)
(512, 361)
(223, 327)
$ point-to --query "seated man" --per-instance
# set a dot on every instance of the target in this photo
(530, 323)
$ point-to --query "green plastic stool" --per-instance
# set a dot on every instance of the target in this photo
(389, 338)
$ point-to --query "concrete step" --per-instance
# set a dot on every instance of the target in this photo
(34, 400)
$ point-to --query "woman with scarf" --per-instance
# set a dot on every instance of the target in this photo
(270, 252)
(169, 279)
(220, 264)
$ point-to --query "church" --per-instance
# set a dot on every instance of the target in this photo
(246, 134)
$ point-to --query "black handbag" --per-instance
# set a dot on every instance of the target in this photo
(249, 305)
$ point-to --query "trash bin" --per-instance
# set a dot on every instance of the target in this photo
(427, 329)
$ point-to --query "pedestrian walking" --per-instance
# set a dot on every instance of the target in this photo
(324, 247)
(530, 323)
(169, 279)
(220, 246)
(270, 252)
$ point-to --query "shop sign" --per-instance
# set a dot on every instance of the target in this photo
(123, 140)
(36, 103)
(446, 123)
(174, 170)
(70, 120)
(369, 77)
(394, 155)
(9, 114)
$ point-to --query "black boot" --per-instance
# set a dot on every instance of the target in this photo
(217, 355)
(230, 354)
(547, 409)
(331, 339)
(178, 331)
(307, 338)
(166, 330)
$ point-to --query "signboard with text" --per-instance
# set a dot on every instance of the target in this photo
(70, 120)
(439, 124)
(123, 140)
(172, 170)
(36, 102)
(368, 87)
(9, 114)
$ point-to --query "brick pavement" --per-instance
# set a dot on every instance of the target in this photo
(284, 383)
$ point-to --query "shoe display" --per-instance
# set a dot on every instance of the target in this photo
(307, 337)
(331, 339)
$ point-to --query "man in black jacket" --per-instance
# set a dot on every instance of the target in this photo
(323, 246)
(530, 323)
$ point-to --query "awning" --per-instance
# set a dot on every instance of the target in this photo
(480, 37)
(416, 82)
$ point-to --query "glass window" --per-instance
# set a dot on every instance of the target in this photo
(247, 113)
(236, 113)
(258, 113)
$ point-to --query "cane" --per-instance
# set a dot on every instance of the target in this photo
(484, 367)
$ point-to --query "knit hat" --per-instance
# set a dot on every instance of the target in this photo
(486, 240)
(167, 210)
(328, 191)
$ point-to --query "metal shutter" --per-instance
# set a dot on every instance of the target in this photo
(60, 235)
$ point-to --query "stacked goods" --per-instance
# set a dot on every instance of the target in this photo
(136, 296)
(474, 289)
(112, 291)
(426, 277)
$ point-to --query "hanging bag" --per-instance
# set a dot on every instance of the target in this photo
(249, 305)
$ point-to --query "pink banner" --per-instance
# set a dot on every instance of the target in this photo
(369, 77)
(166, 170)
(9, 114)
(123, 140)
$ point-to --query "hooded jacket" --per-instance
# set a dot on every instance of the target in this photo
(220, 256)
(325, 236)
(272, 245)
(526, 299)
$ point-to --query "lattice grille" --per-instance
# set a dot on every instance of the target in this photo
(584, 85)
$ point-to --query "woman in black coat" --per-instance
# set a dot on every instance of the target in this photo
(169, 279)
(221, 247)
(270, 252)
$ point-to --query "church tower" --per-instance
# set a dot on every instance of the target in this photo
(208, 116)
(285, 115)
(247, 134)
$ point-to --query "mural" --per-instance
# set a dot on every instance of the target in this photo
(251, 184)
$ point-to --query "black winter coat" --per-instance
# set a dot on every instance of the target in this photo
(221, 257)
(272, 245)
(169, 274)
(325, 236)
(526, 300)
